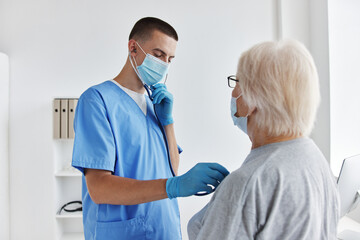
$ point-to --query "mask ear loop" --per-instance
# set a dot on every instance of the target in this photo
(147, 88)
(135, 68)
(141, 48)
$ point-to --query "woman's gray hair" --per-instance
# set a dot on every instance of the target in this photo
(280, 79)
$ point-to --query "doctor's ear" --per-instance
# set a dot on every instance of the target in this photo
(132, 47)
(133, 51)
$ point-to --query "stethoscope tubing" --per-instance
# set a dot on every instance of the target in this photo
(147, 88)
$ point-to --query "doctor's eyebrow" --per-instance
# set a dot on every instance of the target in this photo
(164, 53)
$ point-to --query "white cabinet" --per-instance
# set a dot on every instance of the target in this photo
(67, 188)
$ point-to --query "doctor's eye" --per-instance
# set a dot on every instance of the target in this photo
(157, 55)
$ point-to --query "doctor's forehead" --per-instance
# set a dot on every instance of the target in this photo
(162, 42)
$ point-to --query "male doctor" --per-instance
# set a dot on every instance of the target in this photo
(130, 181)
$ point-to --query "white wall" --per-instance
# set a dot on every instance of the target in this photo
(4, 139)
(344, 37)
(307, 21)
(319, 48)
(60, 48)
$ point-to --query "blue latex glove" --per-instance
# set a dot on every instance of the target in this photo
(196, 180)
(163, 102)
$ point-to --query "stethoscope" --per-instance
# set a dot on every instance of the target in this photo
(147, 88)
(74, 209)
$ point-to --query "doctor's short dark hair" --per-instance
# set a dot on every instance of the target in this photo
(144, 28)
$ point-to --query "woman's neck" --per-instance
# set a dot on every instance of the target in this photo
(260, 137)
(258, 140)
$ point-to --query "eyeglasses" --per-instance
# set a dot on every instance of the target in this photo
(232, 81)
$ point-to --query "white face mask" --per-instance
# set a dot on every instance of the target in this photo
(240, 122)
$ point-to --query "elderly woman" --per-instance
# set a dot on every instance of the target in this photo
(285, 188)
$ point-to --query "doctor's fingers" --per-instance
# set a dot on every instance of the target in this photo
(156, 91)
(158, 97)
(211, 181)
(219, 168)
(157, 86)
(215, 175)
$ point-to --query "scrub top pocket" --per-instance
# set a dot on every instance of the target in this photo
(124, 230)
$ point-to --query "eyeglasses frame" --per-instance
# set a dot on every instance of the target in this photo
(232, 78)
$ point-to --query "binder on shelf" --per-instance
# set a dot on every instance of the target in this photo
(56, 116)
(64, 118)
(72, 107)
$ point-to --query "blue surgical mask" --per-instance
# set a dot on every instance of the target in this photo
(152, 70)
(240, 122)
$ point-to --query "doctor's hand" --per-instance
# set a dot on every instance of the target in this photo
(196, 180)
(163, 102)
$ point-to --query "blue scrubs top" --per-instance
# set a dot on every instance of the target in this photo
(112, 133)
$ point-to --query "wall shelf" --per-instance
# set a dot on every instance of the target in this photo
(65, 215)
(68, 173)
(67, 186)
(72, 236)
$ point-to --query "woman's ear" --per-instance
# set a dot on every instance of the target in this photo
(252, 110)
